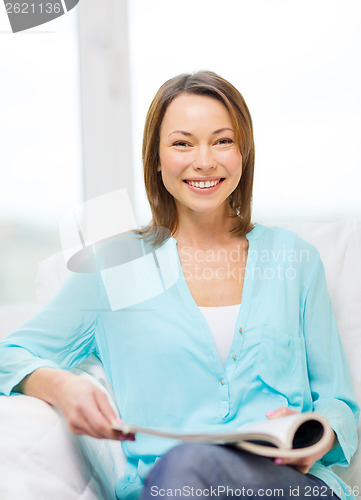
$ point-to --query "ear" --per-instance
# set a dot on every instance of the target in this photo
(159, 168)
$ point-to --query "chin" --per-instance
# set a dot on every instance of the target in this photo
(207, 208)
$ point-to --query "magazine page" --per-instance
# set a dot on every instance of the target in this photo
(299, 433)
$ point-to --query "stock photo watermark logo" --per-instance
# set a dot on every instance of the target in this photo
(28, 14)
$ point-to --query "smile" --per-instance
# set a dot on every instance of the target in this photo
(204, 184)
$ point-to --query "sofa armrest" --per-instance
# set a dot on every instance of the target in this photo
(41, 458)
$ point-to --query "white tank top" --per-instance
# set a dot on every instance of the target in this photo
(222, 322)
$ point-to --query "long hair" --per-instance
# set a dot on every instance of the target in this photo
(205, 83)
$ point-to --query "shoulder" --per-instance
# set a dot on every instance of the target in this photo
(283, 238)
(284, 248)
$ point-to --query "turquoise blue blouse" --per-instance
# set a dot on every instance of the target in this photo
(163, 365)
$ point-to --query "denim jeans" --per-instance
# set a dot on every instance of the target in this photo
(201, 470)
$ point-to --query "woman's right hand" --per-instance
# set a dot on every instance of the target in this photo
(85, 407)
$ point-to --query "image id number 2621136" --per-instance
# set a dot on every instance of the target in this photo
(33, 8)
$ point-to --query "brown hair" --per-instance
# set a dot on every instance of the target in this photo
(207, 83)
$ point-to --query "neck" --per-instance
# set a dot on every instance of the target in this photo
(204, 230)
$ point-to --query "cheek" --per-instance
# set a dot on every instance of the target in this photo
(171, 163)
(234, 163)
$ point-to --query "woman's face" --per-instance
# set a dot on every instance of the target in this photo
(200, 163)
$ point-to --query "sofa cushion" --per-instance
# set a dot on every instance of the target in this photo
(39, 455)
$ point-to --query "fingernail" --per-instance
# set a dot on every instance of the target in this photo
(126, 437)
(270, 413)
(277, 461)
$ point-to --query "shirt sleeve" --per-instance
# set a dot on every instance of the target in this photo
(60, 335)
(329, 376)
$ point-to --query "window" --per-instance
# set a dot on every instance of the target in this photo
(40, 154)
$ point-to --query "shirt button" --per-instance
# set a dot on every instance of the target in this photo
(234, 356)
(240, 330)
(222, 381)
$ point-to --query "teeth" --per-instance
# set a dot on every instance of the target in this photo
(205, 184)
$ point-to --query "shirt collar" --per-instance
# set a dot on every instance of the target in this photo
(256, 231)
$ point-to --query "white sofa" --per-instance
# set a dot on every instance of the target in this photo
(41, 459)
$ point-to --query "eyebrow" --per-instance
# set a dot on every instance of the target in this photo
(188, 134)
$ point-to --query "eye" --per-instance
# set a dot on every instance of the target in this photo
(181, 144)
(224, 142)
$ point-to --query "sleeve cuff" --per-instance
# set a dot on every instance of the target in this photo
(14, 381)
(343, 422)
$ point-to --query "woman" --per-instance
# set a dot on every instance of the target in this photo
(259, 292)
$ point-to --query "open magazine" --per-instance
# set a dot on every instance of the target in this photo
(297, 435)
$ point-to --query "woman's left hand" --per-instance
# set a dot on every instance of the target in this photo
(301, 464)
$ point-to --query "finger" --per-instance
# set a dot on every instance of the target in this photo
(99, 424)
(87, 417)
(120, 436)
(105, 418)
(104, 406)
(83, 429)
(303, 470)
(300, 468)
(78, 422)
(301, 465)
(279, 412)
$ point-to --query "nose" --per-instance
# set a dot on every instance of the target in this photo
(203, 159)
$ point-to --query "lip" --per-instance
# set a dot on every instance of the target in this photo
(203, 179)
(204, 191)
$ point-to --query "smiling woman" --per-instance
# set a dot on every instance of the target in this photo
(196, 123)
(231, 338)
